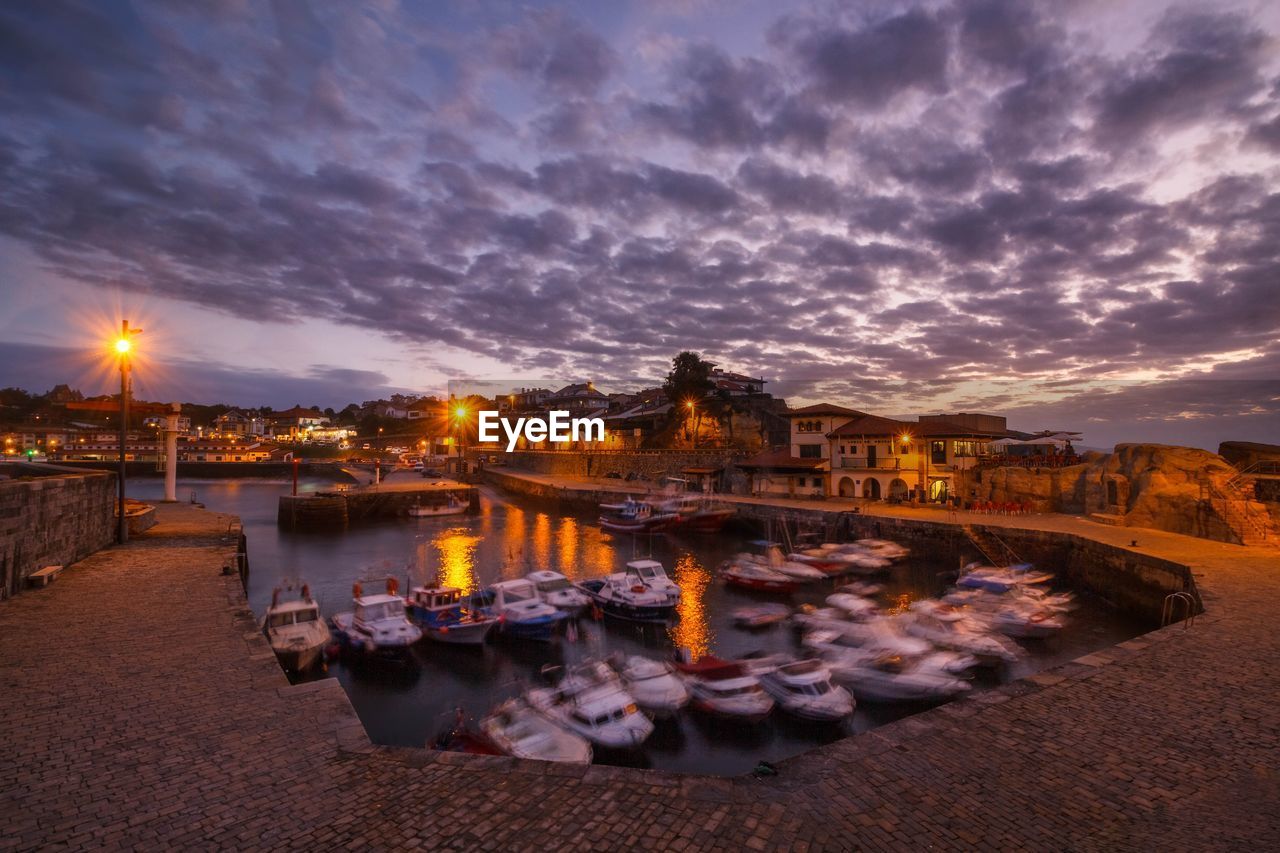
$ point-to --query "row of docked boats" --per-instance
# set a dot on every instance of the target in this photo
(535, 607)
(611, 704)
(768, 569)
(696, 513)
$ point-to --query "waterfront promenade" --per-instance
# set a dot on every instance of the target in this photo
(142, 708)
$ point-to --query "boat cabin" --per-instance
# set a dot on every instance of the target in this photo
(550, 581)
(437, 597)
(376, 608)
(647, 570)
(293, 613)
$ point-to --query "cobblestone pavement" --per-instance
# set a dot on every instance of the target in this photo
(142, 708)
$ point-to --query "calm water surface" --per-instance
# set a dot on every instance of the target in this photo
(510, 538)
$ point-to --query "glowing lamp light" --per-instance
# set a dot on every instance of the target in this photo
(461, 411)
(123, 345)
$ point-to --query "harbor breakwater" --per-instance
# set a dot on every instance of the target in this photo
(335, 510)
(52, 520)
(1132, 582)
(223, 470)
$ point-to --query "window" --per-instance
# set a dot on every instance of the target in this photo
(964, 448)
(811, 451)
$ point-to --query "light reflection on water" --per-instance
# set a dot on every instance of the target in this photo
(509, 539)
(692, 631)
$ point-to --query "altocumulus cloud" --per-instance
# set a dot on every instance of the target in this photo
(883, 190)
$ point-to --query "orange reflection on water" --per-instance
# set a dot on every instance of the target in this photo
(538, 556)
(457, 549)
(691, 631)
(568, 551)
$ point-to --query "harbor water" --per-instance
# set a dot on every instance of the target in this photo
(511, 537)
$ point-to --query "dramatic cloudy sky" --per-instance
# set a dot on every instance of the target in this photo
(875, 201)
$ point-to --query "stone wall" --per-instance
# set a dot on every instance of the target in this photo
(652, 464)
(52, 521)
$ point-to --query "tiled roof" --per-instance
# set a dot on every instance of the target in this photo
(822, 409)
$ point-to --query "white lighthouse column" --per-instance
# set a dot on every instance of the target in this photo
(171, 453)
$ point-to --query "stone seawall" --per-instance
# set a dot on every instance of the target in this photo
(52, 521)
(652, 464)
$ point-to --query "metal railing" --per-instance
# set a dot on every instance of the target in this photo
(1169, 611)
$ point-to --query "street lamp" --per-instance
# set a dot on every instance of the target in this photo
(123, 347)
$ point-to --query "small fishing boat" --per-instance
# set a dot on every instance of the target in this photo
(698, 513)
(451, 506)
(626, 596)
(603, 712)
(878, 633)
(841, 558)
(1023, 622)
(653, 575)
(520, 613)
(756, 577)
(654, 684)
(444, 617)
(853, 606)
(760, 615)
(556, 590)
(803, 689)
(377, 624)
(726, 689)
(637, 517)
(520, 730)
(295, 630)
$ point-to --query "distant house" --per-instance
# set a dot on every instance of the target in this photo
(232, 422)
(581, 400)
(735, 384)
(293, 424)
(159, 422)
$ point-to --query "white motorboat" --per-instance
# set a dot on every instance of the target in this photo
(1022, 621)
(626, 595)
(295, 630)
(556, 590)
(1001, 580)
(451, 506)
(953, 628)
(517, 729)
(838, 559)
(377, 624)
(755, 576)
(883, 677)
(803, 689)
(653, 575)
(726, 689)
(603, 713)
(653, 684)
(521, 613)
(853, 606)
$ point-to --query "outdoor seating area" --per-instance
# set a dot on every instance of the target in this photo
(1056, 459)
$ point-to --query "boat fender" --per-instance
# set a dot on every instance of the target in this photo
(638, 588)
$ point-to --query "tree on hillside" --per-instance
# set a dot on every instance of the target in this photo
(686, 386)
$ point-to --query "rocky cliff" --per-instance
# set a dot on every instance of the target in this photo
(1179, 489)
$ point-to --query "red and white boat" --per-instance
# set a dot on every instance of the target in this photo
(755, 576)
(637, 517)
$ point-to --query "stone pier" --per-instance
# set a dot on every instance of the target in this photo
(141, 708)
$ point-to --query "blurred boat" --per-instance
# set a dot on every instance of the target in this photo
(726, 689)
(757, 577)
(592, 702)
(521, 614)
(444, 618)
(556, 590)
(803, 688)
(518, 729)
(377, 624)
(760, 615)
(625, 595)
(953, 628)
(654, 684)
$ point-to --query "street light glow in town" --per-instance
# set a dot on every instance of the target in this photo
(461, 411)
(123, 345)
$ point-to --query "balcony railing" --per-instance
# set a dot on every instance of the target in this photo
(889, 463)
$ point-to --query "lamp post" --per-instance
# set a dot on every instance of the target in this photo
(123, 345)
(692, 408)
(459, 425)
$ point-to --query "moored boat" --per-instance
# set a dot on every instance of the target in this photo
(653, 575)
(726, 689)
(652, 683)
(757, 577)
(760, 615)
(602, 711)
(626, 596)
(451, 506)
(803, 689)
(520, 613)
(519, 730)
(556, 590)
(295, 630)
(952, 628)
(377, 624)
(444, 617)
